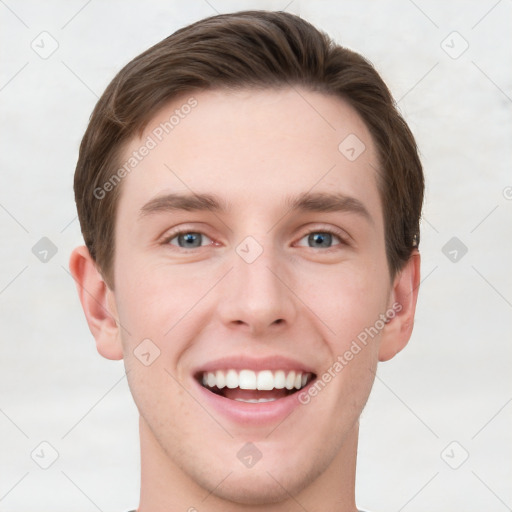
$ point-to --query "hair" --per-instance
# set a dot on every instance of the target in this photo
(248, 49)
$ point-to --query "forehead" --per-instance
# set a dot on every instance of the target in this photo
(252, 147)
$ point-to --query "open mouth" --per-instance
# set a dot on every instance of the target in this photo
(254, 387)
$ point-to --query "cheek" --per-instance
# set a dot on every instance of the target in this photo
(157, 295)
(347, 300)
(162, 303)
(156, 310)
(350, 306)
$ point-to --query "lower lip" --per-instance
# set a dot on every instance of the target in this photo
(262, 413)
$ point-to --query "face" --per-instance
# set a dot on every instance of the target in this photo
(250, 255)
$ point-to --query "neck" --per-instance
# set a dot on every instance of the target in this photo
(165, 487)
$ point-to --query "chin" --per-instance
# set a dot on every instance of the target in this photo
(268, 482)
(261, 488)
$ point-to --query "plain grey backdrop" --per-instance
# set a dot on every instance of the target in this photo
(435, 435)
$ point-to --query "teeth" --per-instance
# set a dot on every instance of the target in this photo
(247, 379)
(232, 379)
(221, 379)
(290, 380)
(280, 379)
(264, 380)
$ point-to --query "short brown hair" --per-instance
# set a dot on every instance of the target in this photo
(249, 49)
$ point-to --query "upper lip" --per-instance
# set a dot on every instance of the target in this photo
(242, 362)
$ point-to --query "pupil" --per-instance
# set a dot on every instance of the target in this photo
(320, 239)
(190, 240)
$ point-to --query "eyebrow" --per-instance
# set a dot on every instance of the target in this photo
(307, 202)
(328, 202)
(187, 202)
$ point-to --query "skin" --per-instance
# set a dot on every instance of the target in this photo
(252, 149)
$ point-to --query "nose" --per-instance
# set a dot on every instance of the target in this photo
(256, 296)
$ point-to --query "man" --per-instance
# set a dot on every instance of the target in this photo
(250, 201)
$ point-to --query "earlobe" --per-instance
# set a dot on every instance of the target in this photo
(403, 300)
(98, 303)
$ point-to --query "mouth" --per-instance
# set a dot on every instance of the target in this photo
(254, 387)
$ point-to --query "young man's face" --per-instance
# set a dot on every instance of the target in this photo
(282, 275)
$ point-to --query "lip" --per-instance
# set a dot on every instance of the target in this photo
(242, 362)
(252, 414)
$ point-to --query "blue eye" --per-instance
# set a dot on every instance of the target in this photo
(321, 239)
(188, 239)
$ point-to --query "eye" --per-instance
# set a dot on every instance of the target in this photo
(321, 239)
(189, 239)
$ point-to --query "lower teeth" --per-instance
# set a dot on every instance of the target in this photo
(255, 400)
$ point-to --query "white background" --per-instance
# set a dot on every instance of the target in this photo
(452, 383)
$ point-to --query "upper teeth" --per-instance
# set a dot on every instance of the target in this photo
(248, 379)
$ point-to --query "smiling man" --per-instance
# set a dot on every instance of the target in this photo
(249, 198)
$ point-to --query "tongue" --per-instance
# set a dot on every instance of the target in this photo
(251, 394)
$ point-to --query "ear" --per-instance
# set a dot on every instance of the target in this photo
(404, 295)
(98, 303)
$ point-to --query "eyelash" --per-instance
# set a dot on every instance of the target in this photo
(342, 237)
(175, 234)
